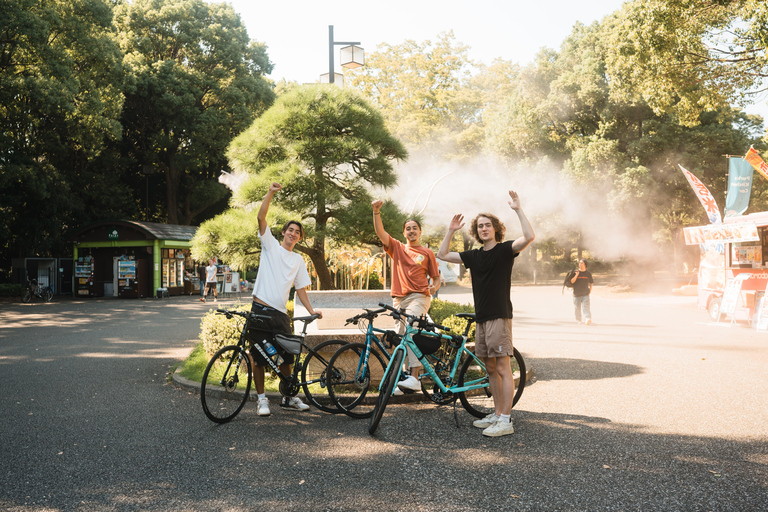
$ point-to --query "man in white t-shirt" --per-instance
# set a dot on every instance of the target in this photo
(210, 281)
(279, 270)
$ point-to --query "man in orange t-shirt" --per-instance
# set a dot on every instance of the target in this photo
(412, 265)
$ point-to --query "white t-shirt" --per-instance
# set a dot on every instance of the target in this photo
(278, 271)
(210, 274)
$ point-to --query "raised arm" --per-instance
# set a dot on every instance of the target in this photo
(264, 208)
(528, 235)
(377, 224)
(444, 253)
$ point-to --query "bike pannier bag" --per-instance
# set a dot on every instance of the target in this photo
(427, 344)
(291, 344)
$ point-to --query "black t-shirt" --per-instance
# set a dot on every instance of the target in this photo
(491, 273)
(581, 285)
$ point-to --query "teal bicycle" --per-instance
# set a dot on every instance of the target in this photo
(466, 370)
(356, 369)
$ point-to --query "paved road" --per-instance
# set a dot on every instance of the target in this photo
(650, 408)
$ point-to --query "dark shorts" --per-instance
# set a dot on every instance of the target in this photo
(210, 286)
(278, 322)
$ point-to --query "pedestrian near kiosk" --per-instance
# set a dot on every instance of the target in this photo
(210, 281)
(280, 269)
(490, 268)
(582, 288)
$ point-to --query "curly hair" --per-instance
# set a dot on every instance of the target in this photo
(498, 227)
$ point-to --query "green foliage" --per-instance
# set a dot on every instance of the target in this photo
(442, 311)
(327, 146)
(194, 80)
(216, 331)
(374, 282)
(11, 290)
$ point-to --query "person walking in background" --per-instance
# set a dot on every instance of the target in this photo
(582, 286)
(412, 267)
(210, 281)
(280, 269)
(490, 268)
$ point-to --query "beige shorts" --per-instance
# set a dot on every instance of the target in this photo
(416, 304)
(494, 338)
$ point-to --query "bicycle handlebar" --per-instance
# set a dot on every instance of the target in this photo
(421, 322)
(369, 315)
(229, 313)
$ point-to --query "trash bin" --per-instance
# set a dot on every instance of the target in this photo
(162, 292)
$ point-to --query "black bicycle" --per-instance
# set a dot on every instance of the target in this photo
(227, 378)
(35, 290)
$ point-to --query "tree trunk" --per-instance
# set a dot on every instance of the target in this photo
(171, 189)
(316, 253)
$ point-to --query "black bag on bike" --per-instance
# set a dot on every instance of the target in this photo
(289, 342)
(392, 339)
(427, 344)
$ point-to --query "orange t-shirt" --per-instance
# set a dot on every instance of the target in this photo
(410, 268)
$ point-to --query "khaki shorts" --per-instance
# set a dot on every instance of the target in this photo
(494, 338)
(416, 304)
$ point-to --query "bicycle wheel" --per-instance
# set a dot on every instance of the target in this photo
(352, 385)
(26, 295)
(226, 383)
(313, 375)
(479, 402)
(387, 385)
(47, 294)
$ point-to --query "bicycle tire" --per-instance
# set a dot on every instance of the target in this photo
(354, 389)
(479, 402)
(47, 294)
(26, 295)
(222, 392)
(314, 373)
(387, 385)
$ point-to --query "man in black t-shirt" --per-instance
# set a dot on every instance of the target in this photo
(582, 287)
(491, 270)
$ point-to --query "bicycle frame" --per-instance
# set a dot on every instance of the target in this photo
(407, 341)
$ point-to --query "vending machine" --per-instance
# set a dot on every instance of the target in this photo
(127, 283)
(84, 276)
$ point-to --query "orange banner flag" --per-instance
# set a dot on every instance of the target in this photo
(757, 162)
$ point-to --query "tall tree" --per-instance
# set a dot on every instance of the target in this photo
(687, 57)
(195, 80)
(327, 146)
(60, 100)
(421, 91)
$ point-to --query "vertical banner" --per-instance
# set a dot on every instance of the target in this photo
(739, 186)
(757, 162)
(702, 192)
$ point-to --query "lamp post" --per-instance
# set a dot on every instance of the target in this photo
(352, 56)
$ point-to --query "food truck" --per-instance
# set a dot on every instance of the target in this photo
(733, 270)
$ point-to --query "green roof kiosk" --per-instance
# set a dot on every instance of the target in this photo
(133, 259)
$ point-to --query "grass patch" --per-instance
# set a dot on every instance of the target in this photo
(194, 366)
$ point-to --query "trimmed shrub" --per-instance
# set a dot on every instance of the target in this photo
(11, 290)
(217, 332)
(443, 311)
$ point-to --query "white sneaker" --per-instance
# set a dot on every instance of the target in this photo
(500, 428)
(410, 384)
(487, 421)
(263, 409)
(397, 392)
(294, 403)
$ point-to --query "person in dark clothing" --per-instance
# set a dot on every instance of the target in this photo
(582, 287)
(490, 267)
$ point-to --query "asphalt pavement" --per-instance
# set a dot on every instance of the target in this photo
(653, 407)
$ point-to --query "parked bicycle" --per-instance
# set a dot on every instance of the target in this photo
(471, 382)
(227, 378)
(35, 290)
(356, 369)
